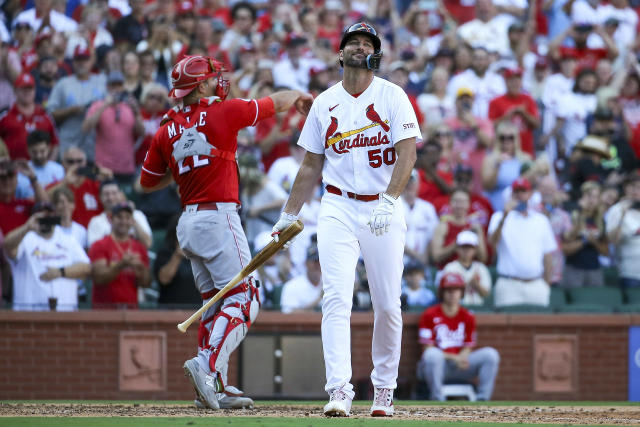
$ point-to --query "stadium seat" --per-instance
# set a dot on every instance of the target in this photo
(632, 295)
(479, 308)
(586, 308)
(558, 297)
(524, 308)
(415, 309)
(276, 294)
(603, 295)
(629, 308)
(610, 276)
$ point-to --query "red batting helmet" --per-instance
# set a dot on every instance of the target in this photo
(451, 281)
(191, 70)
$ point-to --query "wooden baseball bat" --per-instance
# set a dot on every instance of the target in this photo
(261, 257)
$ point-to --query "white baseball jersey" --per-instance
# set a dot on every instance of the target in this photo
(355, 132)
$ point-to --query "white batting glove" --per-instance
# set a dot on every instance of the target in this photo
(381, 215)
(284, 221)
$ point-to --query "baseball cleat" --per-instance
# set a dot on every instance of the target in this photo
(382, 403)
(205, 385)
(232, 398)
(339, 404)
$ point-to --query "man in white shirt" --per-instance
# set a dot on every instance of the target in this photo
(422, 220)
(34, 17)
(487, 30)
(100, 225)
(305, 291)
(293, 70)
(486, 84)
(524, 243)
(475, 274)
(45, 263)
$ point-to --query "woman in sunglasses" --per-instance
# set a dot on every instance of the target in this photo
(502, 166)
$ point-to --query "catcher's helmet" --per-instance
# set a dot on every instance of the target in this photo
(373, 61)
(451, 281)
(191, 70)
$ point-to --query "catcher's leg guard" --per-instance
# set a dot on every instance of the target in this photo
(224, 332)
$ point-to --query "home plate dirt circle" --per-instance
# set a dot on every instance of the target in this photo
(618, 415)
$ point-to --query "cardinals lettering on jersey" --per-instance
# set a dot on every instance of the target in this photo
(341, 142)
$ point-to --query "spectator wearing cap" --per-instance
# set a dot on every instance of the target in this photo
(623, 231)
(69, 100)
(43, 12)
(304, 292)
(486, 30)
(133, 28)
(475, 274)
(480, 210)
(414, 287)
(447, 333)
(585, 241)
(579, 33)
(120, 263)
(46, 74)
(524, 243)
(518, 108)
(472, 134)
(45, 263)
(242, 31)
(153, 104)
(421, 220)
(435, 104)
(614, 129)
(24, 116)
(23, 46)
(173, 272)
(486, 84)
(292, 71)
(502, 166)
(118, 124)
(586, 163)
(443, 244)
(100, 225)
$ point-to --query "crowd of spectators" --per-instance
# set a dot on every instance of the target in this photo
(528, 165)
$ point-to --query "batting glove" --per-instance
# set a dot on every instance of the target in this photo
(381, 215)
(284, 221)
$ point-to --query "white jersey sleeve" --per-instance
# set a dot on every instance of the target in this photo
(311, 135)
(404, 123)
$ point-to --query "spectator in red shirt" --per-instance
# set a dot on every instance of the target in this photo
(447, 332)
(579, 33)
(16, 211)
(518, 108)
(24, 117)
(120, 263)
(84, 181)
(434, 181)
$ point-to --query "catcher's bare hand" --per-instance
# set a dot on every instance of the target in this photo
(284, 221)
(303, 103)
(381, 215)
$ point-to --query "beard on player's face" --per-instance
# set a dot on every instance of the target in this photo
(355, 62)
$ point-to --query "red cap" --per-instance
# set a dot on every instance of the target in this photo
(24, 80)
(521, 184)
(451, 281)
(43, 35)
(513, 72)
(317, 69)
(81, 52)
(185, 7)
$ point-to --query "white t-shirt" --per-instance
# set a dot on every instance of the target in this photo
(283, 172)
(574, 109)
(59, 22)
(422, 220)
(490, 35)
(628, 22)
(99, 226)
(484, 88)
(35, 255)
(78, 232)
(298, 293)
(357, 135)
(434, 109)
(298, 250)
(471, 297)
(523, 243)
(285, 75)
(629, 246)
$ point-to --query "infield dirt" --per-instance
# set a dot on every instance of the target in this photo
(578, 415)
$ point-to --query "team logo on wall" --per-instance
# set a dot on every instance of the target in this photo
(342, 142)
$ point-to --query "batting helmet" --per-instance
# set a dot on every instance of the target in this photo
(191, 70)
(368, 30)
(451, 281)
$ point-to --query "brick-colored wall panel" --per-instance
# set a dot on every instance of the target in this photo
(75, 355)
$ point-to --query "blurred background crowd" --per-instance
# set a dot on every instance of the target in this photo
(529, 110)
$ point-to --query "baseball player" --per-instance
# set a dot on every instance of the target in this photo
(361, 136)
(196, 146)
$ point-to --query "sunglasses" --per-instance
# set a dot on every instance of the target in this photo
(74, 161)
(507, 137)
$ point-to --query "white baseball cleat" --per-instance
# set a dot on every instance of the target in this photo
(205, 385)
(231, 398)
(339, 404)
(382, 403)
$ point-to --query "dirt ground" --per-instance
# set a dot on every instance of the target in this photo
(611, 415)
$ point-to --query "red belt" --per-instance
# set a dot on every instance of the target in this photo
(362, 197)
(209, 206)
